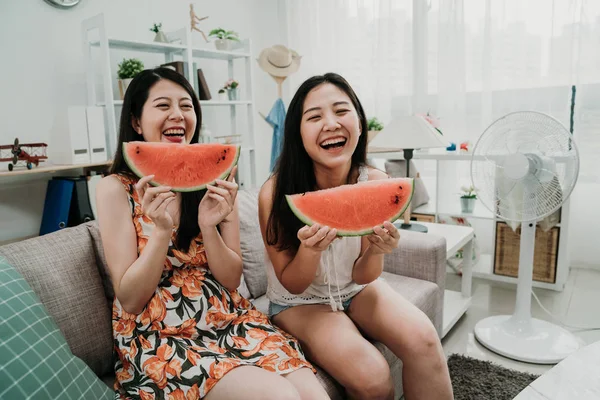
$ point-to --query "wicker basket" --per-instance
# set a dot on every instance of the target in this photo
(545, 254)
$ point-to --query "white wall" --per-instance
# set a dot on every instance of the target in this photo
(42, 72)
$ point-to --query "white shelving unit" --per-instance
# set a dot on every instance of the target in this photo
(96, 38)
(437, 207)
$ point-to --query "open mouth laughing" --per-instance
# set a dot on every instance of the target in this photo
(174, 135)
(333, 144)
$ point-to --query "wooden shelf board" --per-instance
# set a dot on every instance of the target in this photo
(50, 168)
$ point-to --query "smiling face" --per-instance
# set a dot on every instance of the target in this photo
(168, 114)
(330, 127)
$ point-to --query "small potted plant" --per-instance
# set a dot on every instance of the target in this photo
(373, 127)
(468, 198)
(160, 35)
(224, 39)
(223, 95)
(232, 89)
(128, 69)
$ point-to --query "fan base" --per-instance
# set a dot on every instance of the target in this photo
(530, 340)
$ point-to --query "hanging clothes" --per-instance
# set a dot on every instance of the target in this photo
(276, 118)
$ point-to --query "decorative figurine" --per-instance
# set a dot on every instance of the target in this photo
(194, 19)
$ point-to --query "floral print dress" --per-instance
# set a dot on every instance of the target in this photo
(193, 330)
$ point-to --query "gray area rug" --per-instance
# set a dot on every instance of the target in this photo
(474, 379)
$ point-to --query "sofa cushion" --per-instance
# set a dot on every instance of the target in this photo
(421, 293)
(243, 289)
(261, 304)
(61, 269)
(35, 358)
(101, 261)
(253, 248)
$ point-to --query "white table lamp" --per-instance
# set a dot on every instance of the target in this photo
(406, 134)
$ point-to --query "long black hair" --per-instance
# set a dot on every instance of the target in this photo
(133, 104)
(294, 171)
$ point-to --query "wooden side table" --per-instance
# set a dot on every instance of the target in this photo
(457, 237)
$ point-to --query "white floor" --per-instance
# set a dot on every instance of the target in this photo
(576, 305)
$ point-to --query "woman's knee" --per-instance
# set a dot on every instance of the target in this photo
(373, 380)
(423, 340)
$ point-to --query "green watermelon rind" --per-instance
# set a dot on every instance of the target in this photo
(365, 232)
(224, 175)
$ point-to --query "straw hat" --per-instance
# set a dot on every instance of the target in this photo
(278, 60)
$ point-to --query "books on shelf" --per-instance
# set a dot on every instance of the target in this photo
(203, 91)
(199, 84)
(78, 136)
(177, 66)
(67, 203)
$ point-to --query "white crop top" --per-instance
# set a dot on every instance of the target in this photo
(333, 282)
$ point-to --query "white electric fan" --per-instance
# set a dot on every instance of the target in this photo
(525, 166)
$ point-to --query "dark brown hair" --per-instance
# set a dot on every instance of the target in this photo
(133, 104)
(294, 172)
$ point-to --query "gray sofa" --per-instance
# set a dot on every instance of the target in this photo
(67, 270)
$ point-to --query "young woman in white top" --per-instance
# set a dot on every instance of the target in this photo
(323, 289)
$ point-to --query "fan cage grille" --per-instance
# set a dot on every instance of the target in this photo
(526, 132)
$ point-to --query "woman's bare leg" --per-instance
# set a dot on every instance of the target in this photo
(332, 341)
(387, 317)
(253, 383)
(307, 384)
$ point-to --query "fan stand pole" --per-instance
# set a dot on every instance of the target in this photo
(522, 313)
(519, 336)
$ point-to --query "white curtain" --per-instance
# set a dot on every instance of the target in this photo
(483, 58)
(467, 62)
(367, 42)
(495, 57)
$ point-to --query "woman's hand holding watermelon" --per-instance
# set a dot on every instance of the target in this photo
(384, 240)
(316, 237)
(218, 202)
(154, 202)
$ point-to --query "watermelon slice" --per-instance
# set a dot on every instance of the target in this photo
(185, 168)
(354, 209)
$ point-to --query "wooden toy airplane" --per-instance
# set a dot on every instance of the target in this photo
(28, 153)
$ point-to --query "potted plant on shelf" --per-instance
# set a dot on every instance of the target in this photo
(223, 94)
(224, 39)
(160, 35)
(373, 126)
(128, 69)
(468, 198)
(232, 89)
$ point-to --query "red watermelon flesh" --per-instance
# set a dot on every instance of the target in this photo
(354, 209)
(184, 167)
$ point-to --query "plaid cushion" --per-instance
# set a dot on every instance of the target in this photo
(35, 358)
(61, 269)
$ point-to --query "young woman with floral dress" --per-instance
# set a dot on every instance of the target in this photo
(181, 329)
